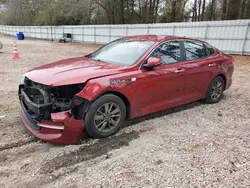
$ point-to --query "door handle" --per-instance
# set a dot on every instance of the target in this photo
(179, 70)
(212, 65)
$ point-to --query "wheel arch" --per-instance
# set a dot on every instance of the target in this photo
(81, 110)
(93, 91)
(224, 78)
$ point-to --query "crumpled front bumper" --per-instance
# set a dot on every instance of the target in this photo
(62, 129)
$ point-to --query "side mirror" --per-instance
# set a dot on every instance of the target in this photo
(153, 62)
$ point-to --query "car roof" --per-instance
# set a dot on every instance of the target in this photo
(157, 38)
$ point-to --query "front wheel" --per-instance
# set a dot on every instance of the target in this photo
(215, 90)
(105, 116)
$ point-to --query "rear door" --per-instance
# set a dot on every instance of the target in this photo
(200, 67)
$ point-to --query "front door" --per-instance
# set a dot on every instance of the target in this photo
(163, 86)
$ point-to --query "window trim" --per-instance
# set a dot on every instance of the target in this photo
(183, 52)
(208, 52)
(182, 57)
(198, 58)
(120, 39)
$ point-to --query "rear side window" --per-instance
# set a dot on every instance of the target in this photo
(169, 52)
(194, 50)
(210, 49)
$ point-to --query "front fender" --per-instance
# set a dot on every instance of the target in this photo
(94, 89)
(97, 87)
(91, 91)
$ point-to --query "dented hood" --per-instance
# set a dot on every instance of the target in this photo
(71, 71)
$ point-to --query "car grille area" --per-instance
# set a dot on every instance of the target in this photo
(39, 100)
(36, 102)
(35, 95)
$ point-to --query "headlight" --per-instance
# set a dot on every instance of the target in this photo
(23, 79)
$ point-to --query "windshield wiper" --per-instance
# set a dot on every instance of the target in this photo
(97, 59)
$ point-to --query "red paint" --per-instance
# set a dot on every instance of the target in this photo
(70, 71)
(70, 135)
(163, 87)
(153, 62)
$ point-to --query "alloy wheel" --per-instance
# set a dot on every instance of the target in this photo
(217, 90)
(107, 117)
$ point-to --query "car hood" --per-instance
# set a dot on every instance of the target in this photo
(72, 71)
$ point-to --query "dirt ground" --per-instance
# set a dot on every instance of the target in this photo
(195, 145)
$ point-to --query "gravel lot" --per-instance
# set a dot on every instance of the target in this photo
(195, 145)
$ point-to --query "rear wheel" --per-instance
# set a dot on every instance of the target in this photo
(105, 116)
(215, 90)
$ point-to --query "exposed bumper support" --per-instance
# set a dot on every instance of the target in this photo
(35, 108)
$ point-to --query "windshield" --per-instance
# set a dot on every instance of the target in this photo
(124, 52)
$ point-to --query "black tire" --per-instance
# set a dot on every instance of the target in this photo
(210, 97)
(90, 121)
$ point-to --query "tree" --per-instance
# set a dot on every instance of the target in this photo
(203, 10)
(242, 8)
(75, 12)
(194, 18)
(224, 10)
(233, 8)
(212, 10)
(175, 11)
(247, 8)
(198, 10)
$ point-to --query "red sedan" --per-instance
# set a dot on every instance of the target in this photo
(127, 78)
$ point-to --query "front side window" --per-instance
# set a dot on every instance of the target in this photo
(122, 52)
(194, 50)
(169, 52)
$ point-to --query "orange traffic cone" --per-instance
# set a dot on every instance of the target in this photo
(15, 53)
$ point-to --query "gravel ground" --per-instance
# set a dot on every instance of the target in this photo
(195, 145)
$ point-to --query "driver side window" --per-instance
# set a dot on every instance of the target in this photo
(169, 52)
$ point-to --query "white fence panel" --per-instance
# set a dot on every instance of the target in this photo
(103, 34)
(229, 36)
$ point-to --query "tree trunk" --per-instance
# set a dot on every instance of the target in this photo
(128, 13)
(133, 11)
(113, 13)
(140, 10)
(194, 18)
(89, 13)
(153, 11)
(212, 10)
(173, 13)
(233, 8)
(224, 10)
(247, 10)
(150, 11)
(107, 11)
(146, 11)
(122, 12)
(156, 10)
(199, 11)
(203, 10)
(242, 9)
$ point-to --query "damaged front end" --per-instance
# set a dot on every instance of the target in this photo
(50, 113)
